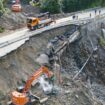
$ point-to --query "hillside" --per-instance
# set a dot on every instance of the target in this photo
(61, 62)
(22, 62)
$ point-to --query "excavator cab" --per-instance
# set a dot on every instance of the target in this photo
(16, 7)
(20, 89)
(19, 98)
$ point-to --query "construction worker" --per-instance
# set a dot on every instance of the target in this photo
(95, 11)
(99, 12)
(90, 15)
(73, 17)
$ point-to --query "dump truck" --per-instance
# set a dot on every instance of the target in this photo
(40, 21)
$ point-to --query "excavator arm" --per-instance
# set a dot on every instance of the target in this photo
(37, 74)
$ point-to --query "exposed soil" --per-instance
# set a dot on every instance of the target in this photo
(17, 66)
(77, 53)
(87, 89)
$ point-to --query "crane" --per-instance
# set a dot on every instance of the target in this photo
(22, 96)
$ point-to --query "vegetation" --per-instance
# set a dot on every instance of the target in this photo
(2, 9)
(55, 6)
(102, 42)
(1, 29)
(50, 5)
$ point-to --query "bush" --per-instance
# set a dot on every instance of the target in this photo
(50, 5)
(75, 5)
(102, 42)
(1, 29)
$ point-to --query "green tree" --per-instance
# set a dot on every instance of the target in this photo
(102, 2)
(56, 6)
(52, 6)
(2, 9)
(70, 5)
(75, 5)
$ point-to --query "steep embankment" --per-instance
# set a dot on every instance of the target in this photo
(17, 66)
(77, 53)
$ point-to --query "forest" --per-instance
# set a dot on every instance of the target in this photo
(70, 5)
(56, 6)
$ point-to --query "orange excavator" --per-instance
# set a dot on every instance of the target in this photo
(23, 96)
(17, 6)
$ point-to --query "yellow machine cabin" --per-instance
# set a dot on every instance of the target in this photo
(42, 20)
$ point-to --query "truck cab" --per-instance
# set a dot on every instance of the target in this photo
(39, 21)
(32, 23)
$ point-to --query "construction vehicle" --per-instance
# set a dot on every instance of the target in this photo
(16, 7)
(22, 96)
(40, 21)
